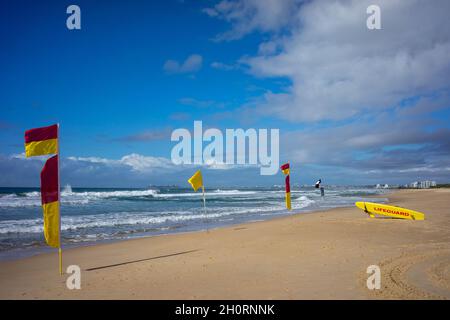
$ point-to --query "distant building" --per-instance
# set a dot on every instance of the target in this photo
(386, 186)
(422, 184)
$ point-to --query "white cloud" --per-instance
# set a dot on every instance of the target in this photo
(249, 15)
(22, 156)
(132, 170)
(211, 12)
(193, 63)
(145, 163)
(338, 68)
(92, 160)
(148, 164)
(135, 161)
(18, 156)
(372, 144)
(223, 66)
(365, 98)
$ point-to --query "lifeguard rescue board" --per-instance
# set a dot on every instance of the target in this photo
(372, 208)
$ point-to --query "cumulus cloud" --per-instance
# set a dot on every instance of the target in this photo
(246, 16)
(223, 66)
(376, 146)
(365, 99)
(338, 68)
(135, 162)
(132, 170)
(193, 63)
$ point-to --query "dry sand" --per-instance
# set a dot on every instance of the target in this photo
(322, 255)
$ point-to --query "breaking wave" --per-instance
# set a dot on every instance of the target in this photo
(99, 214)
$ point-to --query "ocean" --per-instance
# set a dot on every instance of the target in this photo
(91, 215)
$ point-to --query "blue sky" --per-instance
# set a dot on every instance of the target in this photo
(353, 106)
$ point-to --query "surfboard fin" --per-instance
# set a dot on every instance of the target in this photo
(367, 211)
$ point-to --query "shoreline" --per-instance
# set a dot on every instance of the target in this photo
(23, 253)
(323, 255)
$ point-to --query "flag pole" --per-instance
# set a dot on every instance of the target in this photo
(204, 207)
(59, 207)
(204, 199)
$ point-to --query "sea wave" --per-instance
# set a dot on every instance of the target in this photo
(118, 219)
(302, 202)
(98, 214)
(123, 218)
(69, 197)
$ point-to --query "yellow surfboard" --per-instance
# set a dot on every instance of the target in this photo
(372, 208)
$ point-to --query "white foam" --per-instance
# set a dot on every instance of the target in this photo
(244, 205)
(302, 202)
(93, 195)
(214, 193)
(126, 218)
(68, 197)
(232, 192)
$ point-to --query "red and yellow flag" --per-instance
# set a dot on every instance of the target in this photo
(41, 141)
(50, 201)
(286, 170)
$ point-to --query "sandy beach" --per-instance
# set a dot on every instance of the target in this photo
(321, 255)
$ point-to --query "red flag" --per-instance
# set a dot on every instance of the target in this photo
(50, 201)
(286, 170)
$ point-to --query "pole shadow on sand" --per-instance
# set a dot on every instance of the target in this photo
(140, 260)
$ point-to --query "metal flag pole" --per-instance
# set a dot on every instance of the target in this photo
(204, 207)
(59, 205)
(204, 199)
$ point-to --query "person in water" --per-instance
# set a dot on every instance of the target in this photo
(318, 186)
(318, 182)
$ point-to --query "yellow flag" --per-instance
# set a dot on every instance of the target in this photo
(196, 180)
(51, 224)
